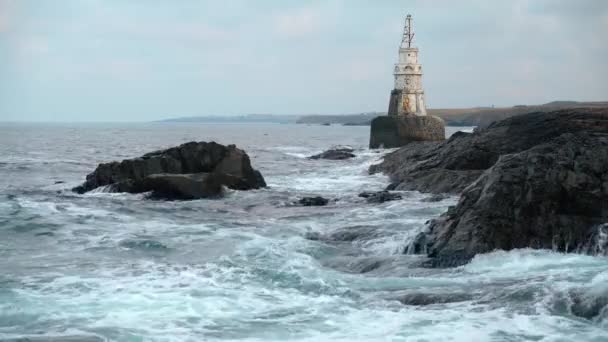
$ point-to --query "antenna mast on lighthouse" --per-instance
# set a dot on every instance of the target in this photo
(408, 32)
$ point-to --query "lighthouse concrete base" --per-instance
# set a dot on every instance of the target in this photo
(399, 130)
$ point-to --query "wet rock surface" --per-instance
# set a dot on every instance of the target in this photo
(380, 196)
(538, 180)
(313, 201)
(450, 166)
(346, 234)
(189, 171)
(422, 298)
(335, 154)
(588, 304)
(435, 198)
(552, 196)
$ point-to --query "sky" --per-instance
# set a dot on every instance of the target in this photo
(121, 60)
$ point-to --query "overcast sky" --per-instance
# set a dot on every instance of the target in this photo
(117, 60)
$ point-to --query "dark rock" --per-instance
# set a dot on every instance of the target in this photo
(313, 236)
(419, 244)
(191, 170)
(450, 166)
(379, 265)
(422, 299)
(380, 196)
(391, 186)
(313, 201)
(356, 124)
(552, 196)
(361, 264)
(180, 186)
(144, 244)
(588, 304)
(59, 182)
(435, 198)
(399, 130)
(597, 242)
(347, 234)
(335, 154)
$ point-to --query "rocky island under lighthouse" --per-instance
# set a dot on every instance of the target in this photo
(407, 120)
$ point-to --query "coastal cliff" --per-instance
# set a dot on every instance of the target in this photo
(538, 180)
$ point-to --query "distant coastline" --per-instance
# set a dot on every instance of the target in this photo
(248, 118)
(477, 116)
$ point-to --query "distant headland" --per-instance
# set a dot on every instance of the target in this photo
(475, 116)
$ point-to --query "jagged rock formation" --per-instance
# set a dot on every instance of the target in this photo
(399, 130)
(450, 166)
(552, 196)
(538, 180)
(191, 170)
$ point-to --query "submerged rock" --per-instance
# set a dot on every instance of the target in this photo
(191, 170)
(588, 304)
(313, 201)
(380, 196)
(345, 234)
(422, 299)
(361, 264)
(313, 236)
(552, 196)
(144, 244)
(335, 154)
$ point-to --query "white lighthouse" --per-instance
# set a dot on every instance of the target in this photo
(407, 120)
(408, 95)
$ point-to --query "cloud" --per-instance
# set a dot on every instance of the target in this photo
(568, 8)
(285, 57)
(6, 9)
(297, 23)
(116, 69)
(185, 32)
(32, 46)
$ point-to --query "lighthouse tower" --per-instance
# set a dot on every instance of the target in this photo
(407, 120)
(408, 96)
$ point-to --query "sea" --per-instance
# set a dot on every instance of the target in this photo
(252, 266)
